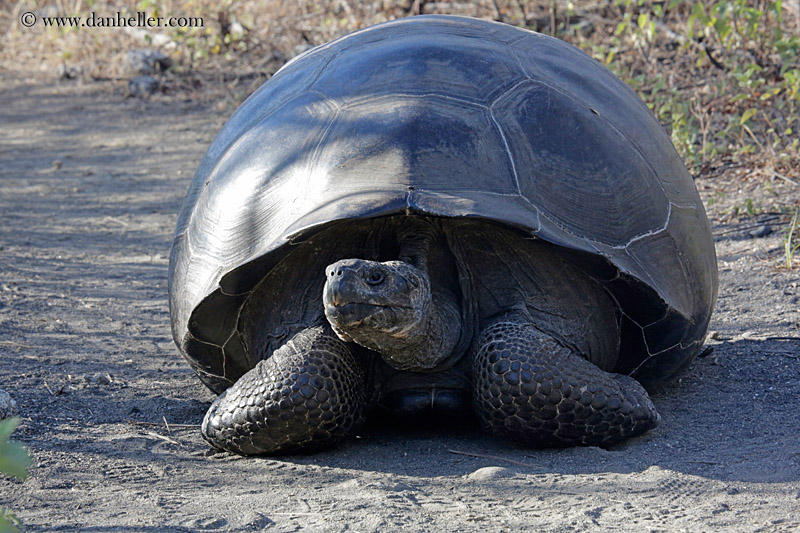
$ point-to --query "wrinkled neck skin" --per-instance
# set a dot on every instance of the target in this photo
(390, 307)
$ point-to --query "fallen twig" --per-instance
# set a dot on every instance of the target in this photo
(762, 222)
(781, 176)
(495, 457)
(116, 221)
(741, 228)
(159, 424)
(163, 437)
(15, 343)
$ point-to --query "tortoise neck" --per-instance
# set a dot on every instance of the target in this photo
(416, 236)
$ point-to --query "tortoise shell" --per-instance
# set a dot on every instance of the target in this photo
(447, 116)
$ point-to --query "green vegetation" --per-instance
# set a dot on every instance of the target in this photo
(723, 76)
(14, 461)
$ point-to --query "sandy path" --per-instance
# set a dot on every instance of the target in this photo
(90, 186)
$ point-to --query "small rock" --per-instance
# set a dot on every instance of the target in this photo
(489, 472)
(236, 29)
(722, 508)
(761, 231)
(98, 378)
(8, 407)
(68, 73)
(145, 62)
(141, 86)
(350, 484)
(397, 487)
(257, 521)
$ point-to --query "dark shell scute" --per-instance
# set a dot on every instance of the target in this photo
(383, 143)
(556, 143)
(419, 64)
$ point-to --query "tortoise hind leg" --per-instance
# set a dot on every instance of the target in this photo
(309, 394)
(532, 390)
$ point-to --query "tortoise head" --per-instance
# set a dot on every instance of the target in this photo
(374, 303)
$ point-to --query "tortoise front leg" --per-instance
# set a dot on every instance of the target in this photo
(532, 390)
(309, 394)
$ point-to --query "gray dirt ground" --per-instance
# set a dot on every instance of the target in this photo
(90, 186)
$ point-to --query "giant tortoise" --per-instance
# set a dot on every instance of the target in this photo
(432, 216)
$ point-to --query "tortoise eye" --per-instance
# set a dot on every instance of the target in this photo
(375, 277)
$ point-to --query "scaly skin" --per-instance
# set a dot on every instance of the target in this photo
(532, 390)
(308, 395)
